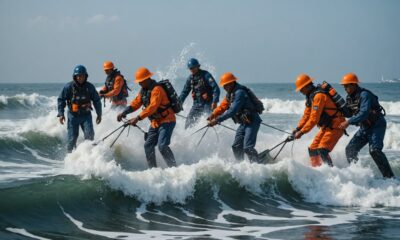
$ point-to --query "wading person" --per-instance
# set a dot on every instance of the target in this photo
(365, 111)
(78, 96)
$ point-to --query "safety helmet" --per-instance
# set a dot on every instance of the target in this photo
(193, 63)
(226, 78)
(349, 78)
(108, 65)
(142, 74)
(302, 81)
(80, 69)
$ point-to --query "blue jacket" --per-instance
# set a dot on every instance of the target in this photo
(240, 102)
(367, 102)
(206, 76)
(66, 96)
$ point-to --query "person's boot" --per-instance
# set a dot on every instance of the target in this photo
(151, 159)
(252, 155)
(324, 154)
(238, 153)
(315, 158)
(351, 155)
(382, 163)
(168, 156)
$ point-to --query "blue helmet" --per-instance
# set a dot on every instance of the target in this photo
(193, 63)
(80, 69)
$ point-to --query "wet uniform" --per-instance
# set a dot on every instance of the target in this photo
(321, 110)
(163, 121)
(78, 98)
(204, 92)
(365, 111)
(239, 106)
(116, 89)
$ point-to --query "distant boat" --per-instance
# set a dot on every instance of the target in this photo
(391, 80)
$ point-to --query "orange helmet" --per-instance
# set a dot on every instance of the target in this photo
(349, 78)
(142, 74)
(108, 65)
(226, 78)
(302, 81)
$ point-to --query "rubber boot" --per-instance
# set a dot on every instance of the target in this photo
(324, 154)
(382, 163)
(351, 155)
(151, 159)
(168, 156)
(238, 153)
(315, 158)
(252, 155)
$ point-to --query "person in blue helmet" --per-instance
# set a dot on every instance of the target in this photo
(364, 110)
(205, 92)
(78, 95)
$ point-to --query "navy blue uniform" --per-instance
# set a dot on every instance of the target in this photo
(365, 111)
(239, 106)
(204, 92)
(82, 96)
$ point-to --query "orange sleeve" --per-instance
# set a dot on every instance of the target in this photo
(118, 84)
(223, 106)
(304, 118)
(157, 94)
(318, 105)
(136, 103)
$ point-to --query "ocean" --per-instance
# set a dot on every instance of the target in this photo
(98, 192)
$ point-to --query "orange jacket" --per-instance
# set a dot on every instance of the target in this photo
(223, 106)
(158, 99)
(312, 114)
(118, 84)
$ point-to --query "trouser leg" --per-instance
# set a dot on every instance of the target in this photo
(250, 139)
(87, 127)
(73, 132)
(164, 139)
(149, 147)
(375, 139)
(358, 141)
(315, 158)
(324, 154)
(193, 116)
(237, 146)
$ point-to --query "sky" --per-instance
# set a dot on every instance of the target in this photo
(259, 41)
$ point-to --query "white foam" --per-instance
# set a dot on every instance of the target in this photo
(25, 233)
(30, 100)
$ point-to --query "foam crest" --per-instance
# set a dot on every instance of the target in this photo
(28, 101)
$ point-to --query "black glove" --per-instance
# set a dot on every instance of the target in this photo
(102, 91)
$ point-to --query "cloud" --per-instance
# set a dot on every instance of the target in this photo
(101, 18)
(38, 21)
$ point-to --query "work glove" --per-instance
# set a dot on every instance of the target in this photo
(210, 117)
(98, 120)
(61, 119)
(102, 92)
(212, 122)
(213, 106)
(121, 116)
(134, 121)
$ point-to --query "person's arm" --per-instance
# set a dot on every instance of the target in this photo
(157, 94)
(223, 106)
(185, 91)
(240, 99)
(118, 84)
(214, 86)
(94, 96)
(365, 107)
(62, 101)
(304, 118)
(317, 108)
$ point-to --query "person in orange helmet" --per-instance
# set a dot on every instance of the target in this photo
(244, 108)
(321, 111)
(115, 87)
(158, 109)
(365, 111)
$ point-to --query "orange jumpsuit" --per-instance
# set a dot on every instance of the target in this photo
(117, 88)
(158, 99)
(327, 137)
